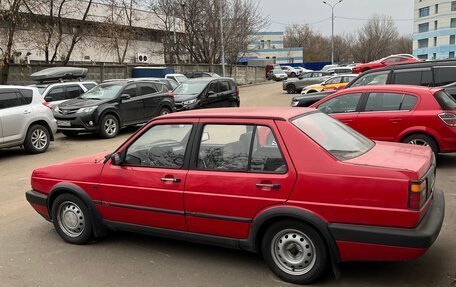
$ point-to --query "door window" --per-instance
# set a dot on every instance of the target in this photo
(408, 103)
(73, 92)
(419, 78)
(379, 78)
(27, 95)
(445, 76)
(213, 88)
(9, 100)
(333, 81)
(224, 86)
(383, 102)
(147, 89)
(342, 104)
(131, 90)
(55, 94)
(266, 154)
(162, 146)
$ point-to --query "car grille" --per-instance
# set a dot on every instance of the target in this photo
(67, 112)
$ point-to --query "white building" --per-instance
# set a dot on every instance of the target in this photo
(434, 34)
(269, 45)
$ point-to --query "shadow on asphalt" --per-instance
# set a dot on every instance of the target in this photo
(446, 160)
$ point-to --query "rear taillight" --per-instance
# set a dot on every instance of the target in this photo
(46, 104)
(171, 94)
(237, 90)
(417, 194)
(448, 118)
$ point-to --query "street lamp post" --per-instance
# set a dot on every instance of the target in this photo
(332, 28)
(221, 38)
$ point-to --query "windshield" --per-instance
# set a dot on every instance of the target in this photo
(338, 139)
(190, 88)
(102, 92)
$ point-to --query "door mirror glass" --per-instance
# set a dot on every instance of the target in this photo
(124, 97)
(116, 159)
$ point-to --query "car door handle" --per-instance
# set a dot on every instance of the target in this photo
(268, 185)
(26, 112)
(170, 179)
(395, 121)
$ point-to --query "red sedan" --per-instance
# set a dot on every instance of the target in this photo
(409, 114)
(390, 60)
(294, 184)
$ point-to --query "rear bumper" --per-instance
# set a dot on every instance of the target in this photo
(417, 239)
(39, 202)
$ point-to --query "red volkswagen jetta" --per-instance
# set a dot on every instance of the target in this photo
(409, 114)
(294, 184)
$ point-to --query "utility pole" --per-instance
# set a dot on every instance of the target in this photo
(175, 38)
(221, 38)
(332, 28)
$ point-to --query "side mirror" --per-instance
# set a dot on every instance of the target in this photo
(125, 97)
(116, 159)
(48, 99)
(205, 137)
(210, 93)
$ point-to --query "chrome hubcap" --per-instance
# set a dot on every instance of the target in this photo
(110, 126)
(39, 139)
(164, 112)
(419, 142)
(71, 219)
(293, 252)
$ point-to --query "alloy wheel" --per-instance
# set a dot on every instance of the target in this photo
(39, 139)
(110, 126)
(419, 142)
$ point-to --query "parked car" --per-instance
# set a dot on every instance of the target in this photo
(291, 71)
(112, 105)
(277, 75)
(192, 75)
(178, 78)
(205, 93)
(270, 67)
(441, 73)
(304, 190)
(332, 84)
(387, 61)
(294, 85)
(330, 66)
(409, 114)
(169, 83)
(340, 70)
(25, 120)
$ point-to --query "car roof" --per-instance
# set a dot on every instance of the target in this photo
(415, 65)
(277, 113)
(396, 88)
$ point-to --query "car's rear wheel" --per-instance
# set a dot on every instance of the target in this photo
(293, 75)
(295, 252)
(37, 139)
(291, 89)
(422, 140)
(109, 127)
(164, 111)
(70, 134)
(71, 219)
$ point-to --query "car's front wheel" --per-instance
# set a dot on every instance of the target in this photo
(295, 252)
(109, 127)
(291, 89)
(164, 111)
(71, 219)
(37, 139)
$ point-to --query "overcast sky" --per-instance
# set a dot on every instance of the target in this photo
(314, 12)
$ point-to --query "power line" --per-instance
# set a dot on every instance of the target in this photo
(310, 24)
(366, 19)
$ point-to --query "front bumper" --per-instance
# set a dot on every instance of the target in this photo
(39, 202)
(79, 122)
(422, 236)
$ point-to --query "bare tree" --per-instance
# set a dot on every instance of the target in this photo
(404, 45)
(316, 47)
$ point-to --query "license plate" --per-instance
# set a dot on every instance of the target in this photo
(64, 123)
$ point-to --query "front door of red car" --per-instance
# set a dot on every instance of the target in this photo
(147, 187)
(385, 115)
(238, 170)
(343, 108)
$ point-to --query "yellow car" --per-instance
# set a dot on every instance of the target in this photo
(333, 83)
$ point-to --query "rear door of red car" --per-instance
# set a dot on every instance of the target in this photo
(238, 168)
(385, 114)
(148, 187)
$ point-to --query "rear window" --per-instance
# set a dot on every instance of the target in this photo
(446, 101)
(338, 139)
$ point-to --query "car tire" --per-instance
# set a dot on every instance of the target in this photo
(293, 75)
(295, 252)
(423, 140)
(109, 127)
(291, 89)
(165, 111)
(37, 139)
(70, 134)
(72, 219)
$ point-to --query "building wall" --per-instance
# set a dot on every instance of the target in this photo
(441, 13)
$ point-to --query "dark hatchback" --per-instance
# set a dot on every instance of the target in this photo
(205, 93)
(108, 107)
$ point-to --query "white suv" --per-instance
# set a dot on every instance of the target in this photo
(25, 120)
(56, 93)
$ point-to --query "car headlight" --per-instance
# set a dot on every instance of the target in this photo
(189, 102)
(56, 109)
(87, 110)
(294, 103)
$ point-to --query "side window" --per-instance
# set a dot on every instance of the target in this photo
(347, 79)
(159, 87)
(334, 81)
(73, 92)
(444, 76)
(379, 78)
(147, 89)
(411, 78)
(162, 146)
(342, 104)
(55, 94)
(408, 103)
(225, 147)
(266, 155)
(393, 60)
(224, 86)
(131, 90)
(88, 86)
(383, 102)
(9, 100)
(213, 87)
(27, 95)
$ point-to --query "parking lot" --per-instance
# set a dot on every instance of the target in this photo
(32, 254)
